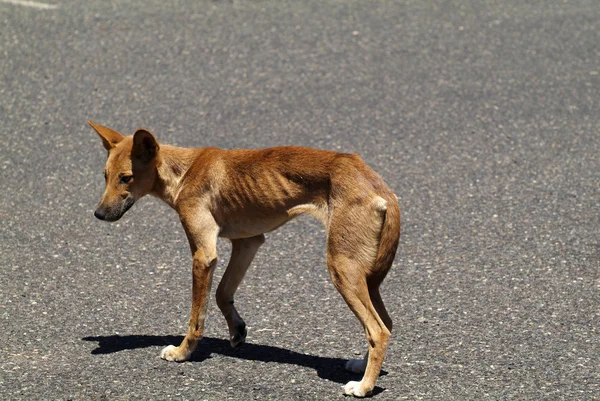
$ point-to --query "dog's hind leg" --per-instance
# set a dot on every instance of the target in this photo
(353, 252)
(350, 281)
(242, 254)
(359, 365)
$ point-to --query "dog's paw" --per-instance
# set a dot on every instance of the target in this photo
(356, 365)
(173, 353)
(239, 337)
(356, 389)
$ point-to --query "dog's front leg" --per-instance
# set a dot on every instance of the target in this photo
(243, 251)
(203, 238)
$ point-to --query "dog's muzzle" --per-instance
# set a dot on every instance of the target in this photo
(114, 214)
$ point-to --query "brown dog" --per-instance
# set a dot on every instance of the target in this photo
(241, 194)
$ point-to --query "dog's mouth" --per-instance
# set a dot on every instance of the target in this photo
(114, 214)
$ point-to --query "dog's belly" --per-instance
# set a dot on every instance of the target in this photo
(257, 223)
(245, 227)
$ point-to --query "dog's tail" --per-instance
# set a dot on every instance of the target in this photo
(388, 240)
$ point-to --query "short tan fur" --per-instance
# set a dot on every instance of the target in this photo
(242, 194)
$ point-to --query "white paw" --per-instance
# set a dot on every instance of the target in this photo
(171, 353)
(356, 365)
(355, 389)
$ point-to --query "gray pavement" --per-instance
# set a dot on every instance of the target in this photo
(482, 116)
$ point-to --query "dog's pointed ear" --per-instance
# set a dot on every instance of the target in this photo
(109, 137)
(145, 146)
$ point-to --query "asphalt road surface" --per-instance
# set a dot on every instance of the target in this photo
(484, 118)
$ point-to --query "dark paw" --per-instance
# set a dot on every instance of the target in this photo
(240, 336)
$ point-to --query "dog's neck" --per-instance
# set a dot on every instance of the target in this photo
(173, 163)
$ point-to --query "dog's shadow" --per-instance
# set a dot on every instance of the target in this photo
(327, 368)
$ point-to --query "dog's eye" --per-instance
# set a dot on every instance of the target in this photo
(126, 178)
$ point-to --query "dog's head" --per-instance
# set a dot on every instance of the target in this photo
(130, 171)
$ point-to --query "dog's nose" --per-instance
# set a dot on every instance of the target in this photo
(99, 215)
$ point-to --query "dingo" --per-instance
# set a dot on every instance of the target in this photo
(242, 194)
